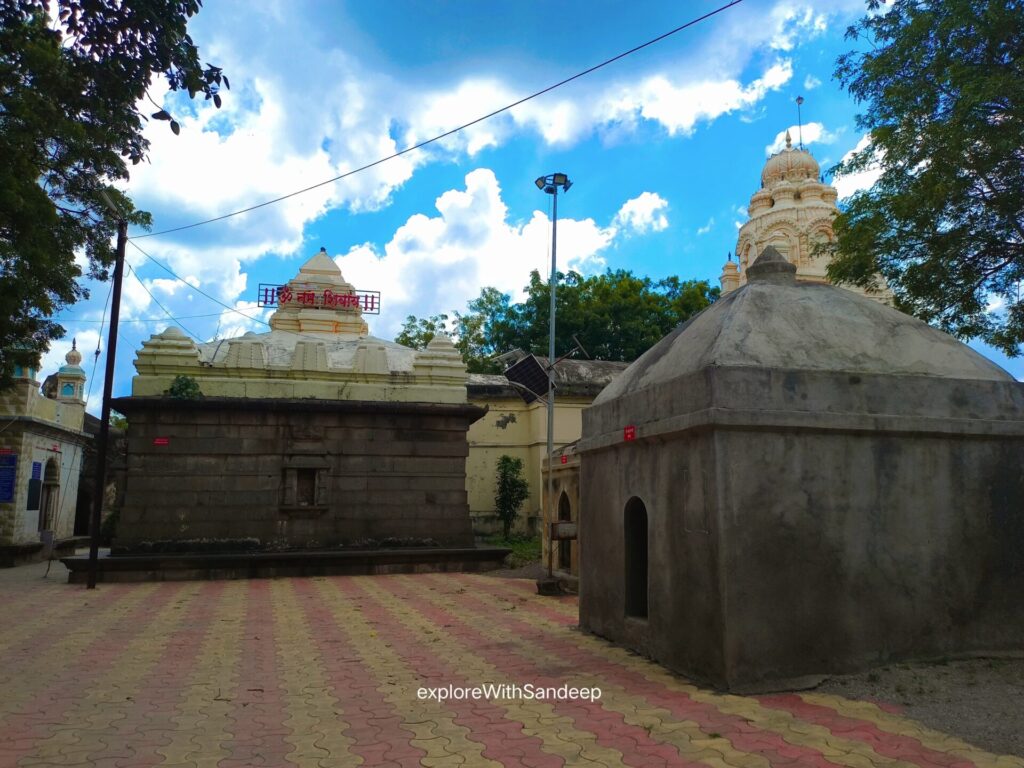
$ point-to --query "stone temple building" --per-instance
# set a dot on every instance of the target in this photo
(792, 211)
(312, 435)
(801, 481)
(41, 449)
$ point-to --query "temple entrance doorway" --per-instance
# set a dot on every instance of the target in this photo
(635, 534)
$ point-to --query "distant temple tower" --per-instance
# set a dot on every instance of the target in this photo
(792, 211)
(71, 378)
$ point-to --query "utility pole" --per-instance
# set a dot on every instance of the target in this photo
(99, 480)
(550, 184)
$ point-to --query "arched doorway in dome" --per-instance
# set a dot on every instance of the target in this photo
(564, 545)
(635, 534)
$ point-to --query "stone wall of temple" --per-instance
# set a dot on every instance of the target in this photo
(295, 474)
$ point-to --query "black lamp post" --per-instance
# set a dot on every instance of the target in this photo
(550, 184)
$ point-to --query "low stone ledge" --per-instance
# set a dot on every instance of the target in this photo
(12, 555)
(258, 565)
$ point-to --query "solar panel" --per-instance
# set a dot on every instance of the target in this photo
(531, 377)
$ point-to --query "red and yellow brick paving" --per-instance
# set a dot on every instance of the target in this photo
(325, 672)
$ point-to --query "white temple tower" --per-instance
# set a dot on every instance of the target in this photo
(792, 211)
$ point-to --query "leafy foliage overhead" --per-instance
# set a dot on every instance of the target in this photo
(70, 122)
(943, 86)
(615, 315)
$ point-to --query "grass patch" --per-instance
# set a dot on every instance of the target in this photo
(525, 549)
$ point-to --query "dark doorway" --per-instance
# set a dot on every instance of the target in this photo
(635, 530)
(50, 498)
(305, 487)
(565, 545)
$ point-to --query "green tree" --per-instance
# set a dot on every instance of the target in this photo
(417, 332)
(510, 492)
(615, 315)
(943, 86)
(69, 125)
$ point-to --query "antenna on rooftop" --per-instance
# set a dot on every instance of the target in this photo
(800, 121)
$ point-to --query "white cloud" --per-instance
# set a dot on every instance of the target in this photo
(167, 286)
(644, 213)
(707, 227)
(741, 214)
(271, 138)
(854, 182)
(813, 133)
(791, 24)
(438, 263)
(244, 317)
(811, 82)
(676, 102)
(678, 107)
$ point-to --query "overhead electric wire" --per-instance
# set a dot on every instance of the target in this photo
(166, 311)
(198, 290)
(144, 319)
(452, 132)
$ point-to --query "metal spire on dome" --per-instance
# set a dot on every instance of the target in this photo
(789, 141)
(800, 120)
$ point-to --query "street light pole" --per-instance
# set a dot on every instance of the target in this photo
(99, 478)
(550, 185)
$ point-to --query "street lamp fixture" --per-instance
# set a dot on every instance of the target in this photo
(552, 181)
(550, 185)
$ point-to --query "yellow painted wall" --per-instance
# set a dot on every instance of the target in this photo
(514, 428)
(37, 429)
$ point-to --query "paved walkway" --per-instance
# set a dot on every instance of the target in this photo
(326, 672)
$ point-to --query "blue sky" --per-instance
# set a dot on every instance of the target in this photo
(664, 149)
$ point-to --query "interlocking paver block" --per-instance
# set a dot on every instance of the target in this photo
(323, 673)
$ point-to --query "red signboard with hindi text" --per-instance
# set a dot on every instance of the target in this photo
(281, 295)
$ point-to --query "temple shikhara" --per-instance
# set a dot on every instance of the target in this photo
(792, 212)
(314, 434)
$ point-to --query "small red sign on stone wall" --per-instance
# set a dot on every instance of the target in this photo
(629, 433)
(161, 441)
(565, 459)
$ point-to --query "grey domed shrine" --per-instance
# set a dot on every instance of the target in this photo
(802, 481)
(792, 211)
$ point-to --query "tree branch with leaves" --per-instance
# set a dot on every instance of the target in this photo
(942, 82)
(73, 76)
